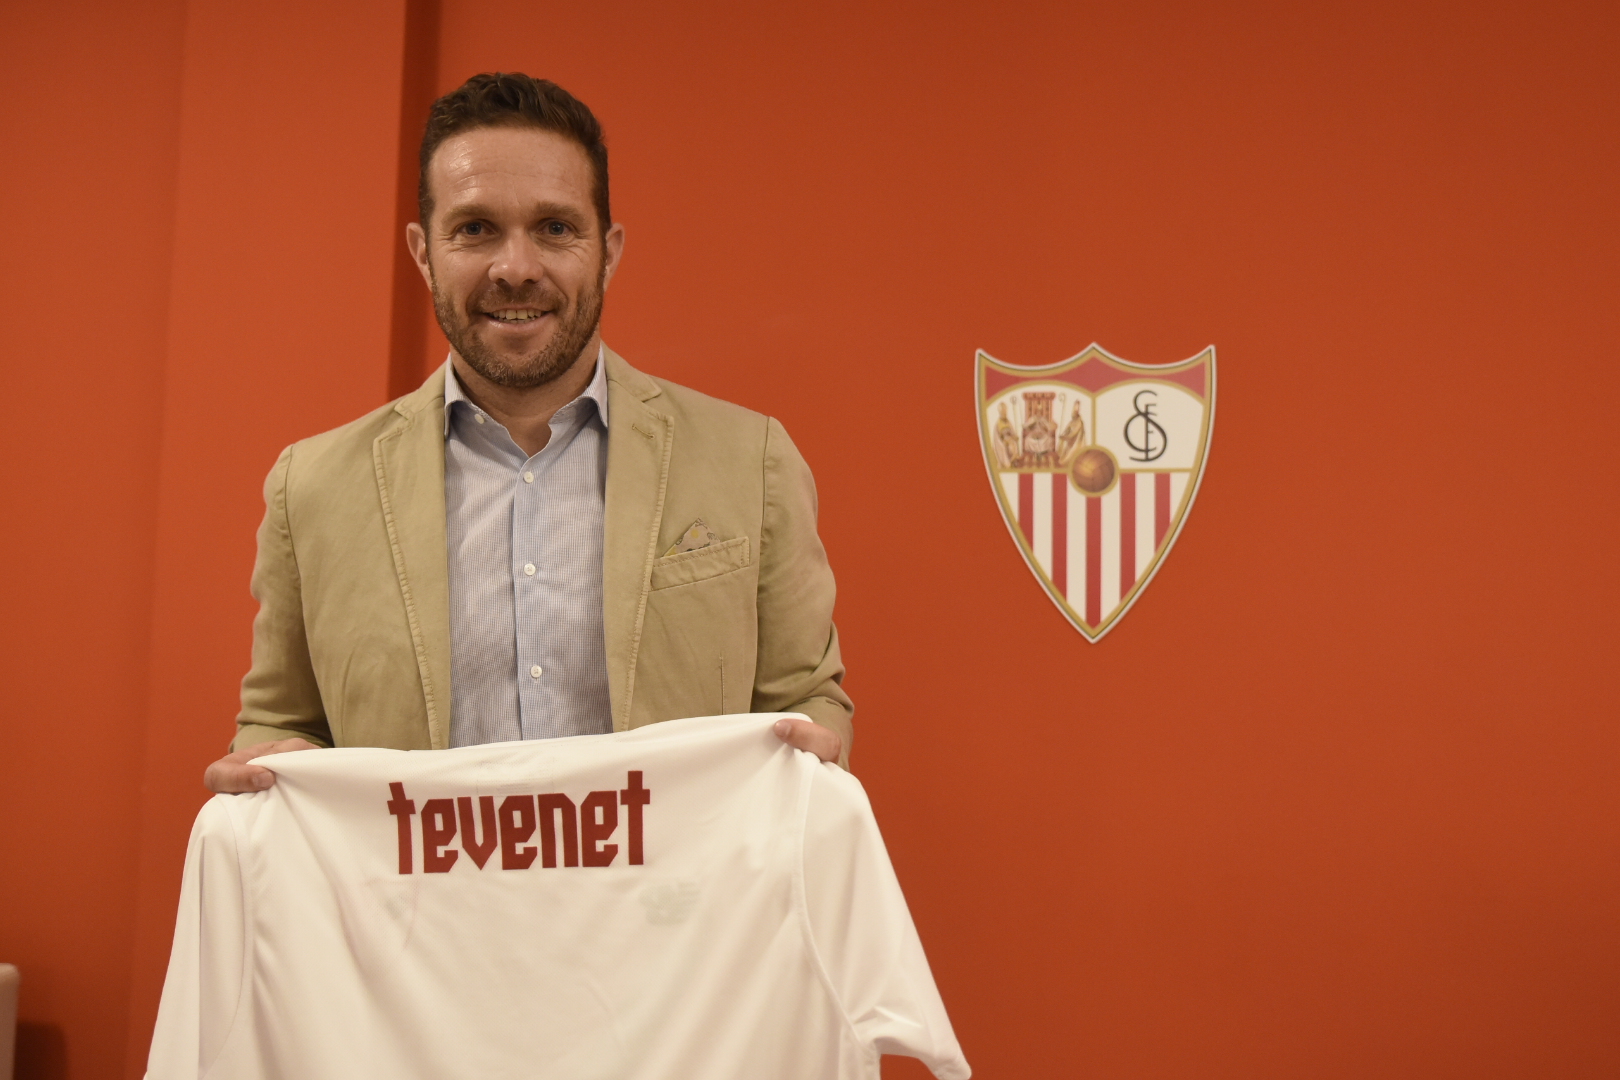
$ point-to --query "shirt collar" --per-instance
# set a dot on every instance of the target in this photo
(596, 390)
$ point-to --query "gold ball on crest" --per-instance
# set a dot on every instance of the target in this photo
(1093, 471)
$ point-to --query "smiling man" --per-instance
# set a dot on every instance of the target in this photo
(541, 540)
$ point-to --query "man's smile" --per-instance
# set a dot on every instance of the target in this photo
(514, 315)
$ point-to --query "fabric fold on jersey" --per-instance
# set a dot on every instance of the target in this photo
(688, 899)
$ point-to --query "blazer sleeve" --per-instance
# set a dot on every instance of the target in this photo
(799, 667)
(280, 697)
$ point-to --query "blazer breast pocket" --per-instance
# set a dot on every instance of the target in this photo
(690, 567)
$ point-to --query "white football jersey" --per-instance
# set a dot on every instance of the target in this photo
(692, 899)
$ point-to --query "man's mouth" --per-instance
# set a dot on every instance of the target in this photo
(514, 315)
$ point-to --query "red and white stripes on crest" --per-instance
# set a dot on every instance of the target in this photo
(1094, 548)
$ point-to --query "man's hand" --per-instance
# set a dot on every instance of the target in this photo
(825, 743)
(233, 775)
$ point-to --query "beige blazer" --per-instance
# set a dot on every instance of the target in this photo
(351, 646)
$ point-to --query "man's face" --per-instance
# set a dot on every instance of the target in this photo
(514, 253)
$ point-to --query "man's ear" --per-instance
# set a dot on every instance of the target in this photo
(613, 249)
(416, 242)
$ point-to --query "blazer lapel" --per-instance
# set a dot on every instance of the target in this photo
(409, 464)
(639, 441)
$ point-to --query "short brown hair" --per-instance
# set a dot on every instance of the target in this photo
(512, 99)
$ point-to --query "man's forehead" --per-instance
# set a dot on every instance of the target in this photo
(512, 162)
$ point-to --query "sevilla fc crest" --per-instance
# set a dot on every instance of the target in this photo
(1095, 462)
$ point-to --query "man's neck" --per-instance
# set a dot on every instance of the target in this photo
(526, 412)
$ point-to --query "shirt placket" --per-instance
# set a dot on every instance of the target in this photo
(528, 555)
(534, 537)
(492, 457)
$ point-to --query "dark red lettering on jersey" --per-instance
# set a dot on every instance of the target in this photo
(438, 829)
(479, 850)
(404, 809)
(517, 825)
(551, 806)
(634, 798)
(603, 804)
(587, 829)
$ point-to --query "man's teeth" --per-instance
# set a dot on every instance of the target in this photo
(514, 315)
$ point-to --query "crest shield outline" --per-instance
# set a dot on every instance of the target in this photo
(1095, 462)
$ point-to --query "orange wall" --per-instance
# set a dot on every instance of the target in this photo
(1336, 799)
(91, 91)
(279, 322)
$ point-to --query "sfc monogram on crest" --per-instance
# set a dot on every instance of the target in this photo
(1095, 462)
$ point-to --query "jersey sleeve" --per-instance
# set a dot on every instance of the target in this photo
(203, 987)
(862, 931)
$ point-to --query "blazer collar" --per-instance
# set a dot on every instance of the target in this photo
(639, 442)
(629, 380)
(408, 461)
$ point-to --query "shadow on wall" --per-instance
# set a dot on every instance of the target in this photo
(41, 1052)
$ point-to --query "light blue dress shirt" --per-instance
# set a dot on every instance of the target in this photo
(528, 658)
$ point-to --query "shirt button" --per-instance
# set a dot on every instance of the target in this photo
(528, 568)
(534, 672)
(478, 418)
(528, 478)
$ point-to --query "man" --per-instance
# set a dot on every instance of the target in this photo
(541, 540)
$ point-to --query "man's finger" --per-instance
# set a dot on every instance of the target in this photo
(234, 774)
(825, 743)
(227, 777)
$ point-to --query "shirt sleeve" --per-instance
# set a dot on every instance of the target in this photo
(204, 984)
(862, 933)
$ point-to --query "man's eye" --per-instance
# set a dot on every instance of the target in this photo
(473, 228)
(556, 228)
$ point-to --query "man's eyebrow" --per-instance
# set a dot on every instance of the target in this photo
(467, 210)
(558, 210)
(538, 210)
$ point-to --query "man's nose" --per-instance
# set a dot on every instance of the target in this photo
(517, 261)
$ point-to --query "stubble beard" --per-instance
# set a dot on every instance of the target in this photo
(576, 323)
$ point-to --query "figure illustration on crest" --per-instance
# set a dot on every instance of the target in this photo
(1073, 438)
(1040, 431)
(1006, 441)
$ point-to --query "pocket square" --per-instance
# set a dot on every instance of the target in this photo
(697, 535)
